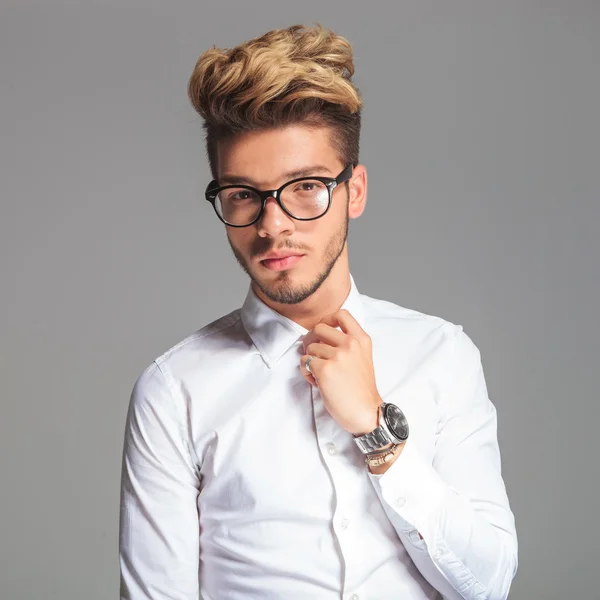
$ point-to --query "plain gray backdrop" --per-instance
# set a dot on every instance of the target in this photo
(481, 138)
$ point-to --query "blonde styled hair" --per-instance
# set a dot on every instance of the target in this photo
(286, 76)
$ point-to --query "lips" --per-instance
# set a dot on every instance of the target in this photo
(280, 255)
(282, 262)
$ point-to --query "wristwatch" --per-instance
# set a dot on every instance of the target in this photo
(392, 430)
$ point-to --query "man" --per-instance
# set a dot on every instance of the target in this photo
(316, 443)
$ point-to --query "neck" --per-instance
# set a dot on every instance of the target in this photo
(326, 300)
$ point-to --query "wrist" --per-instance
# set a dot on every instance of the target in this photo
(382, 468)
(390, 429)
(369, 423)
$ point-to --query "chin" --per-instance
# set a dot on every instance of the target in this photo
(283, 287)
(289, 287)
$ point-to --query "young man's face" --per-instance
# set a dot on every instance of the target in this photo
(266, 160)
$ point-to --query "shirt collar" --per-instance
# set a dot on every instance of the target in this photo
(273, 334)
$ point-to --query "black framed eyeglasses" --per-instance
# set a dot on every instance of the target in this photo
(303, 199)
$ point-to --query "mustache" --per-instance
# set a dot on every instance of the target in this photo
(260, 247)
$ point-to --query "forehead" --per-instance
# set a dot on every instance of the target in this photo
(265, 156)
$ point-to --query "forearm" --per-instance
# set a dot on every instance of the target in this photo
(465, 547)
(158, 536)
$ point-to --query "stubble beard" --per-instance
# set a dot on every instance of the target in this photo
(282, 290)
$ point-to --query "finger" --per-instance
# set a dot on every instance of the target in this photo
(315, 363)
(346, 322)
(320, 350)
(324, 333)
(311, 379)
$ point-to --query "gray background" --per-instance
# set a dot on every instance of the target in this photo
(481, 137)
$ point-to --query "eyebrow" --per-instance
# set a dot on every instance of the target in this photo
(314, 170)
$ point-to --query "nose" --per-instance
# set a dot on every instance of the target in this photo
(274, 221)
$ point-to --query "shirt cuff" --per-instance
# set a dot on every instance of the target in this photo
(414, 491)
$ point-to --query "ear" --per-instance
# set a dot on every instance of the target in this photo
(358, 192)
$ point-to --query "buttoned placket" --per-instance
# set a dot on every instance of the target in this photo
(332, 441)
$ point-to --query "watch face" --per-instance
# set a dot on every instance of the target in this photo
(396, 421)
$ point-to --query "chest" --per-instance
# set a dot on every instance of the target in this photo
(275, 450)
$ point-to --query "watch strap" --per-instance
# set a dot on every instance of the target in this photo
(374, 441)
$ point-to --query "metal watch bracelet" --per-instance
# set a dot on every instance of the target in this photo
(374, 441)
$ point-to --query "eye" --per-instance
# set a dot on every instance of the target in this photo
(240, 195)
(306, 186)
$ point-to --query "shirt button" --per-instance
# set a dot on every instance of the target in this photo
(438, 554)
(400, 501)
(415, 537)
(354, 597)
(331, 449)
(345, 524)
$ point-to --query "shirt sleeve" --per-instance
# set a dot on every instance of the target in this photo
(159, 528)
(452, 514)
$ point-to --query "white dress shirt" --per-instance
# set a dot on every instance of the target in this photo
(238, 484)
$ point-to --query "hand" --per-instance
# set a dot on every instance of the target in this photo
(343, 371)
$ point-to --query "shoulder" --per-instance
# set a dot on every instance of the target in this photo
(416, 329)
(388, 314)
(188, 354)
(429, 349)
(206, 337)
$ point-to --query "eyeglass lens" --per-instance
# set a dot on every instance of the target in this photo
(304, 199)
